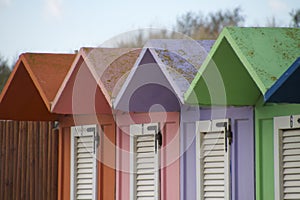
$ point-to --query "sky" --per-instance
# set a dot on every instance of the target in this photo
(64, 25)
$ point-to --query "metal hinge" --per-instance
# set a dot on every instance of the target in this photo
(96, 138)
(228, 133)
(158, 137)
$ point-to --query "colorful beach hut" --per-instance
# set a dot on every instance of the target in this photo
(32, 86)
(87, 124)
(29, 135)
(286, 135)
(248, 61)
(148, 116)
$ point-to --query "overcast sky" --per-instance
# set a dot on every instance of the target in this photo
(65, 25)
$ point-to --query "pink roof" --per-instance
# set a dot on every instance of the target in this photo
(94, 79)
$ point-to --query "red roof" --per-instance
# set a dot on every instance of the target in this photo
(32, 86)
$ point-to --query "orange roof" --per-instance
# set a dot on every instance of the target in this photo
(32, 86)
(94, 80)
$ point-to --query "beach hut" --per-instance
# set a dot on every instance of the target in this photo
(248, 61)
(87, 125)
(32, 86)
(29, 135)
(151, 106)
(286, 135)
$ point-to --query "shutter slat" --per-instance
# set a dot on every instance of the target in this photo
(213, 159)
(213, 146)
(214, 194)
(292, 196)
(291, 177)
(291, 164)
(291, 152)
(291, 158)
(291, 183)
(213, 141)
(214, 188)
(214, 135)
(291, 139)
(290, 146)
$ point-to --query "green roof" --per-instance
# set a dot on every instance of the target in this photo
(243, 64)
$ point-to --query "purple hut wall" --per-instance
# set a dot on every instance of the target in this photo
(242, 157)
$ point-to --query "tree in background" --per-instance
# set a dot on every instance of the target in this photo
(4, 72)
(295, 14)
(189, 25)
(197, 26)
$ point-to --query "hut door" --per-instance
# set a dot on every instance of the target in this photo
(287, 157)
(144, 146)
(84, 145)
(213, 159)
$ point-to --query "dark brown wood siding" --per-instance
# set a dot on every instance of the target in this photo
(28, 160)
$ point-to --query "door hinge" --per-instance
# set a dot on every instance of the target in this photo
(228, 133)
(96, 138)
(158, 137)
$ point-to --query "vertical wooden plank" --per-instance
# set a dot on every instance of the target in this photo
(15, 158)
(42, 158)
(60, 164)
(36, 133)
(31, 159)
(11, 159)
(6, 161)
(45, 158)
(49, 157)
(27, 163)
(21, 170)
(2, 158)
(54, 163)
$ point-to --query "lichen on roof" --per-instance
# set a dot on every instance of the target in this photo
(112, 65)
(181, 58)
(269, 51)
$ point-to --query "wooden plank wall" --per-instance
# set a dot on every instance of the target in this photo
(28, 160)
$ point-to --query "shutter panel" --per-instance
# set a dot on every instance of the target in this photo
(84, 163)
(213, 162)
(145, 163)
(145, 166)
(291, 164)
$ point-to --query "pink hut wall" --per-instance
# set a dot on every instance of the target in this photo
(169, 123)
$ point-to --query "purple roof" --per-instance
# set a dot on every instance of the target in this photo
(181, 58)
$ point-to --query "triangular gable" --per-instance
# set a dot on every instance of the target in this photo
(32, 86)
(286, 88)
(175, 63)
(146, 86)
(93, 79)
(181, 59)
(247, 62)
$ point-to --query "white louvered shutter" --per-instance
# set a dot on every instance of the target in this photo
(84, 173)
(291, 164)
(145, 165)
(212, 161)
(287, 157)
